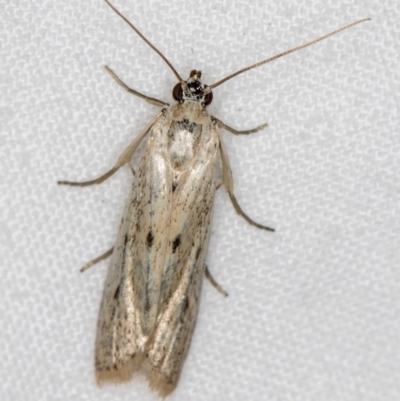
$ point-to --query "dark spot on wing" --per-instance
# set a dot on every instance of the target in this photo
(116, 294)
(176, 243)
(185, 306)
(174, 185)
(198, 252)
(149, 239)
(147, 305)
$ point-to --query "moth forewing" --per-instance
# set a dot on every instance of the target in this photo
(153, 285)
(152, 289)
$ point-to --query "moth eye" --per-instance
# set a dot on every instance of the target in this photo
(208, 99)
(177, 92)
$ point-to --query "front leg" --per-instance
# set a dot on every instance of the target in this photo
(235, 132)
(227, 180)
(125, 158)
(148, 99)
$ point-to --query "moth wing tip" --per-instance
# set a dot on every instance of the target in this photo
(114, 376)
(118, 374)
(160, 384)
(163, 389)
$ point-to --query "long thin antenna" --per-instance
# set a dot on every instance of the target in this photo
(285, 53)
(147, 41)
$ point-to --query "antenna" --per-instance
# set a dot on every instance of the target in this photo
(210, 87)
(146, 40)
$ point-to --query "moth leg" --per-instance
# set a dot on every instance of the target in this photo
(227, 180)
(131, 168)
(211, 279)
(148, 99)
(236, 132)
(123, 159)
(92, 182)
(98, 259)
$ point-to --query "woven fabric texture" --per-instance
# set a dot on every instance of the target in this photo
(313, 309)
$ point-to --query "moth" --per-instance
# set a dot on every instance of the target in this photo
(152, 290)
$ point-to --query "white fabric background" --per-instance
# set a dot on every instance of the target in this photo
(313, 309)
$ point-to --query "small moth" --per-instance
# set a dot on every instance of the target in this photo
(152, 290)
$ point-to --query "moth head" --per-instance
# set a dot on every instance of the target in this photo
(193, 89)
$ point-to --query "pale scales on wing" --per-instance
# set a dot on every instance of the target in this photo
(152, 289)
